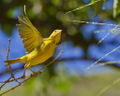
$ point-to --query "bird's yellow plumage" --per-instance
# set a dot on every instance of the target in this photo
(38, 49)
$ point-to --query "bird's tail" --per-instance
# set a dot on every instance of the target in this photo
(12, 61)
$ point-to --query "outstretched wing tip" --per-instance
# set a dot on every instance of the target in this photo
(28, 33)
(25, 10)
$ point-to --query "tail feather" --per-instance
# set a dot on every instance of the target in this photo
(12, 61)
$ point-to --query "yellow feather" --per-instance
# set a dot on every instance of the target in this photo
(38, 49)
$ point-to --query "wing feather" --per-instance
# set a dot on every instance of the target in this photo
(30, 35)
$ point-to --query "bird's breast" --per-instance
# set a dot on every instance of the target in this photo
(44, 53)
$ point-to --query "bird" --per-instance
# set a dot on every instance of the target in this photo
(38, 49)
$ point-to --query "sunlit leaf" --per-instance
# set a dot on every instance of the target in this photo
(63, 86)
(56, 2)
(116, 8)
(10, 13)
(7, 28)
(98, 6)
(30, 85)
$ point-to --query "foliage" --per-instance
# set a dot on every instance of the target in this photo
(48, 15)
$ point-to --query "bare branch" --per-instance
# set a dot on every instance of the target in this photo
(28, 77)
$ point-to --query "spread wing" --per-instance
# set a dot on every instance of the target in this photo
(30, 35)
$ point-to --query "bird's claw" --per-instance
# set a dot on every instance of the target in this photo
(23, 76)
(35, 74)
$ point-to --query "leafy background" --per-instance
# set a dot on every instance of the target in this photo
(67, 76)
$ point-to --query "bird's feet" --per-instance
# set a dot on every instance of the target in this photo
(23, 76)
(35, 74)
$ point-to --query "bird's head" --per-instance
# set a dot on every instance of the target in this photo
(56, 36)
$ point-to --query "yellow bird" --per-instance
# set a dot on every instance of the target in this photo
(38, 49)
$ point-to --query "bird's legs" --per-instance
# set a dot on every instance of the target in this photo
(25, 66)
(34, 73)
(23, 76)
(28, 66)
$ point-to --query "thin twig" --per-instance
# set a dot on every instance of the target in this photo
(18, 85)
(30, 76)
(95, 23)
(93, 64)
(10, 68)
(42, 67)
(52, 60)
(81, 7)
(5, 82)
(9, 65)
(103, 90)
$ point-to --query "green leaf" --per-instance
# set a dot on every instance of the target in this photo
(10, 13)
(56, 2)
(63, 86)
(98, 6)
(7, 28)
(116, 8)
(30, 86)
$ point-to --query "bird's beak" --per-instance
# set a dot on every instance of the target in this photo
(59, 30)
